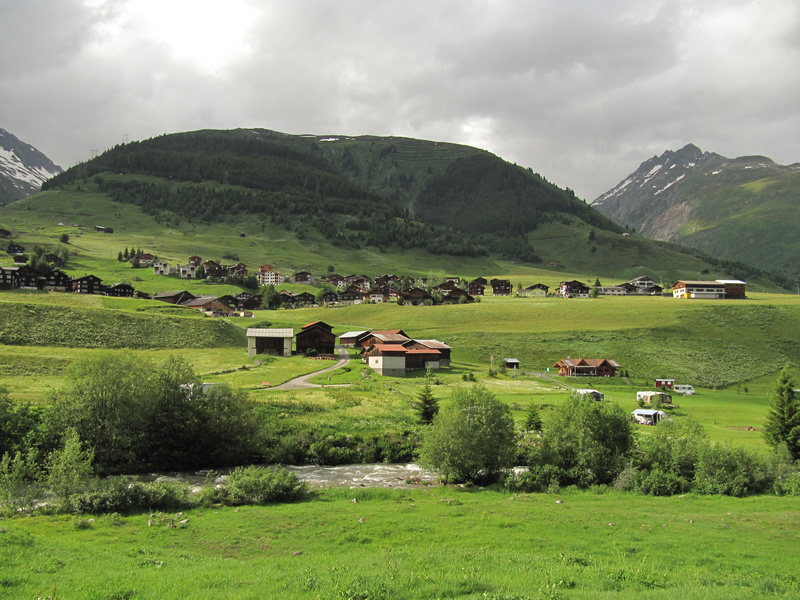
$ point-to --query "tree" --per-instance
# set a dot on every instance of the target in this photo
(69, 468)
(427, 406)
(472, 439)
(270, 298)
(533, 420)
(587, 441)
(64, 238)
(783, 420)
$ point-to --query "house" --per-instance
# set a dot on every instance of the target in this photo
(266, 275)
(88, 284)
(304, 298)
(443, 349)
(457, 296)
(480, 281)
(337, 280)
(188, 271)
(178, 297)
(102, 229)
(653, 398)
(303, 277)
(213, 270)
(589, 394)
(27, 278)
(161, 267)
(211, 306)
(353, 339)
(14, 249)
(416, 296)
(614, 290)
(196, 261)
(648, 416)
(269, 341)
(667, 384)
(351, 296)
(708, 290)
(389, 336)
(377, 295)
(329, 297)
(387, 359)
(643, 284)
(145, 260)
(476, 289)
(237, 270)
(574, 289)
(511, 363)
(55, 281)
(119, 290)
(8, 278)
(5, 234)
(734, 288)
(501, 287)
(317, 336)
(537, 290)
(587, 367)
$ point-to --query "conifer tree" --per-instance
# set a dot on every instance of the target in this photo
(533, 420)
(783, 421)
(427, 406)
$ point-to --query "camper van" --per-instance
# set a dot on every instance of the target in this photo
(686, 390)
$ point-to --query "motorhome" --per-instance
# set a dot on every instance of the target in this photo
(686, 390)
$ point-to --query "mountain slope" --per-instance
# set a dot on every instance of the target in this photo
(23, 168)
(742, 209)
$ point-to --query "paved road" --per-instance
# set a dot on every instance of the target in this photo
(302, 382)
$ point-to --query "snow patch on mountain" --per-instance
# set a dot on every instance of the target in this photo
(23, 168)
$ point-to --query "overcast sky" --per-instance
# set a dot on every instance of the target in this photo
(581, 91)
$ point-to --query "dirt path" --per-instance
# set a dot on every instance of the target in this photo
(302, 382)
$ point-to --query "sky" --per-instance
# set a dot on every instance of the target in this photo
(580, 91)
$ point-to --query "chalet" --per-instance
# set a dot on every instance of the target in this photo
(8, 277)
(237, 270)
(287, 297)
(14, 249)
(303, 277)
(145, 260)
(88, 284)
(214, 270)
(377, 295)
(416, 296)
(353, 339)
(120, 290)
(211, 306)
(587, 367)
(329, 297)
(613, 290)
(351, 296)
(359, 281)
(269, 341)
(709, 290)
(574, 289)
(5, 234)
(480, 281)
(476, 289)
(317, 336)
(643, 284)
(443, 349)
(178, 297)
(501, 287)
(386, 336)
(337, 280)
(590, 394)
(25, 278)
(537, 290)
(21, 259)
(266, 275)
(734, 288)
(196, 261)
(102, 229)
(305, 298)
(457, 296)
(55, 259)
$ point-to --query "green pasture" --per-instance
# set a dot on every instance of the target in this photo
(426, 542)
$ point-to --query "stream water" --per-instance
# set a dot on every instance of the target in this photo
(351, 476)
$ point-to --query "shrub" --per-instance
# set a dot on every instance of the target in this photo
(259, 485)
(123, 495)
(730, 471)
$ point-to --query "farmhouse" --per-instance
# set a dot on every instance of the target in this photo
(476, 289)
(120, 290)
(587, 367)
(317, 336)
(501, 287)
(269, 341)
(709, 290)
(573, 289)
(88, 284)
(303, 277)
(537, 290)
(416, 296)
(55, 281)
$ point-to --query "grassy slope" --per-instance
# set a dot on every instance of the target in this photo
(420, 543)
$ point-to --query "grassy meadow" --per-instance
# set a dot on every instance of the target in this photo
(426, 542)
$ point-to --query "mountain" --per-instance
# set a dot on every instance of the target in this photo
(23, 168)
(363, 199)
(742, 209)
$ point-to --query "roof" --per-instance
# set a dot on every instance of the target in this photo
(200, 301)
(421, 351)
(274, 333)
(353, 334)
(391, 348)
(698, 282)
(317, 323)
(587, 362)
(732, 281)
(434, 344)
(389, 337)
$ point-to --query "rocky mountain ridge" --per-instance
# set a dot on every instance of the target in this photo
(23, 168)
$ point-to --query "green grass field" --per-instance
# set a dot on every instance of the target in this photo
(418, 543)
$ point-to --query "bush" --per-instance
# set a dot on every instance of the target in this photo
(730, 471)
(124, 495)
(259, 485)
(660, 483)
